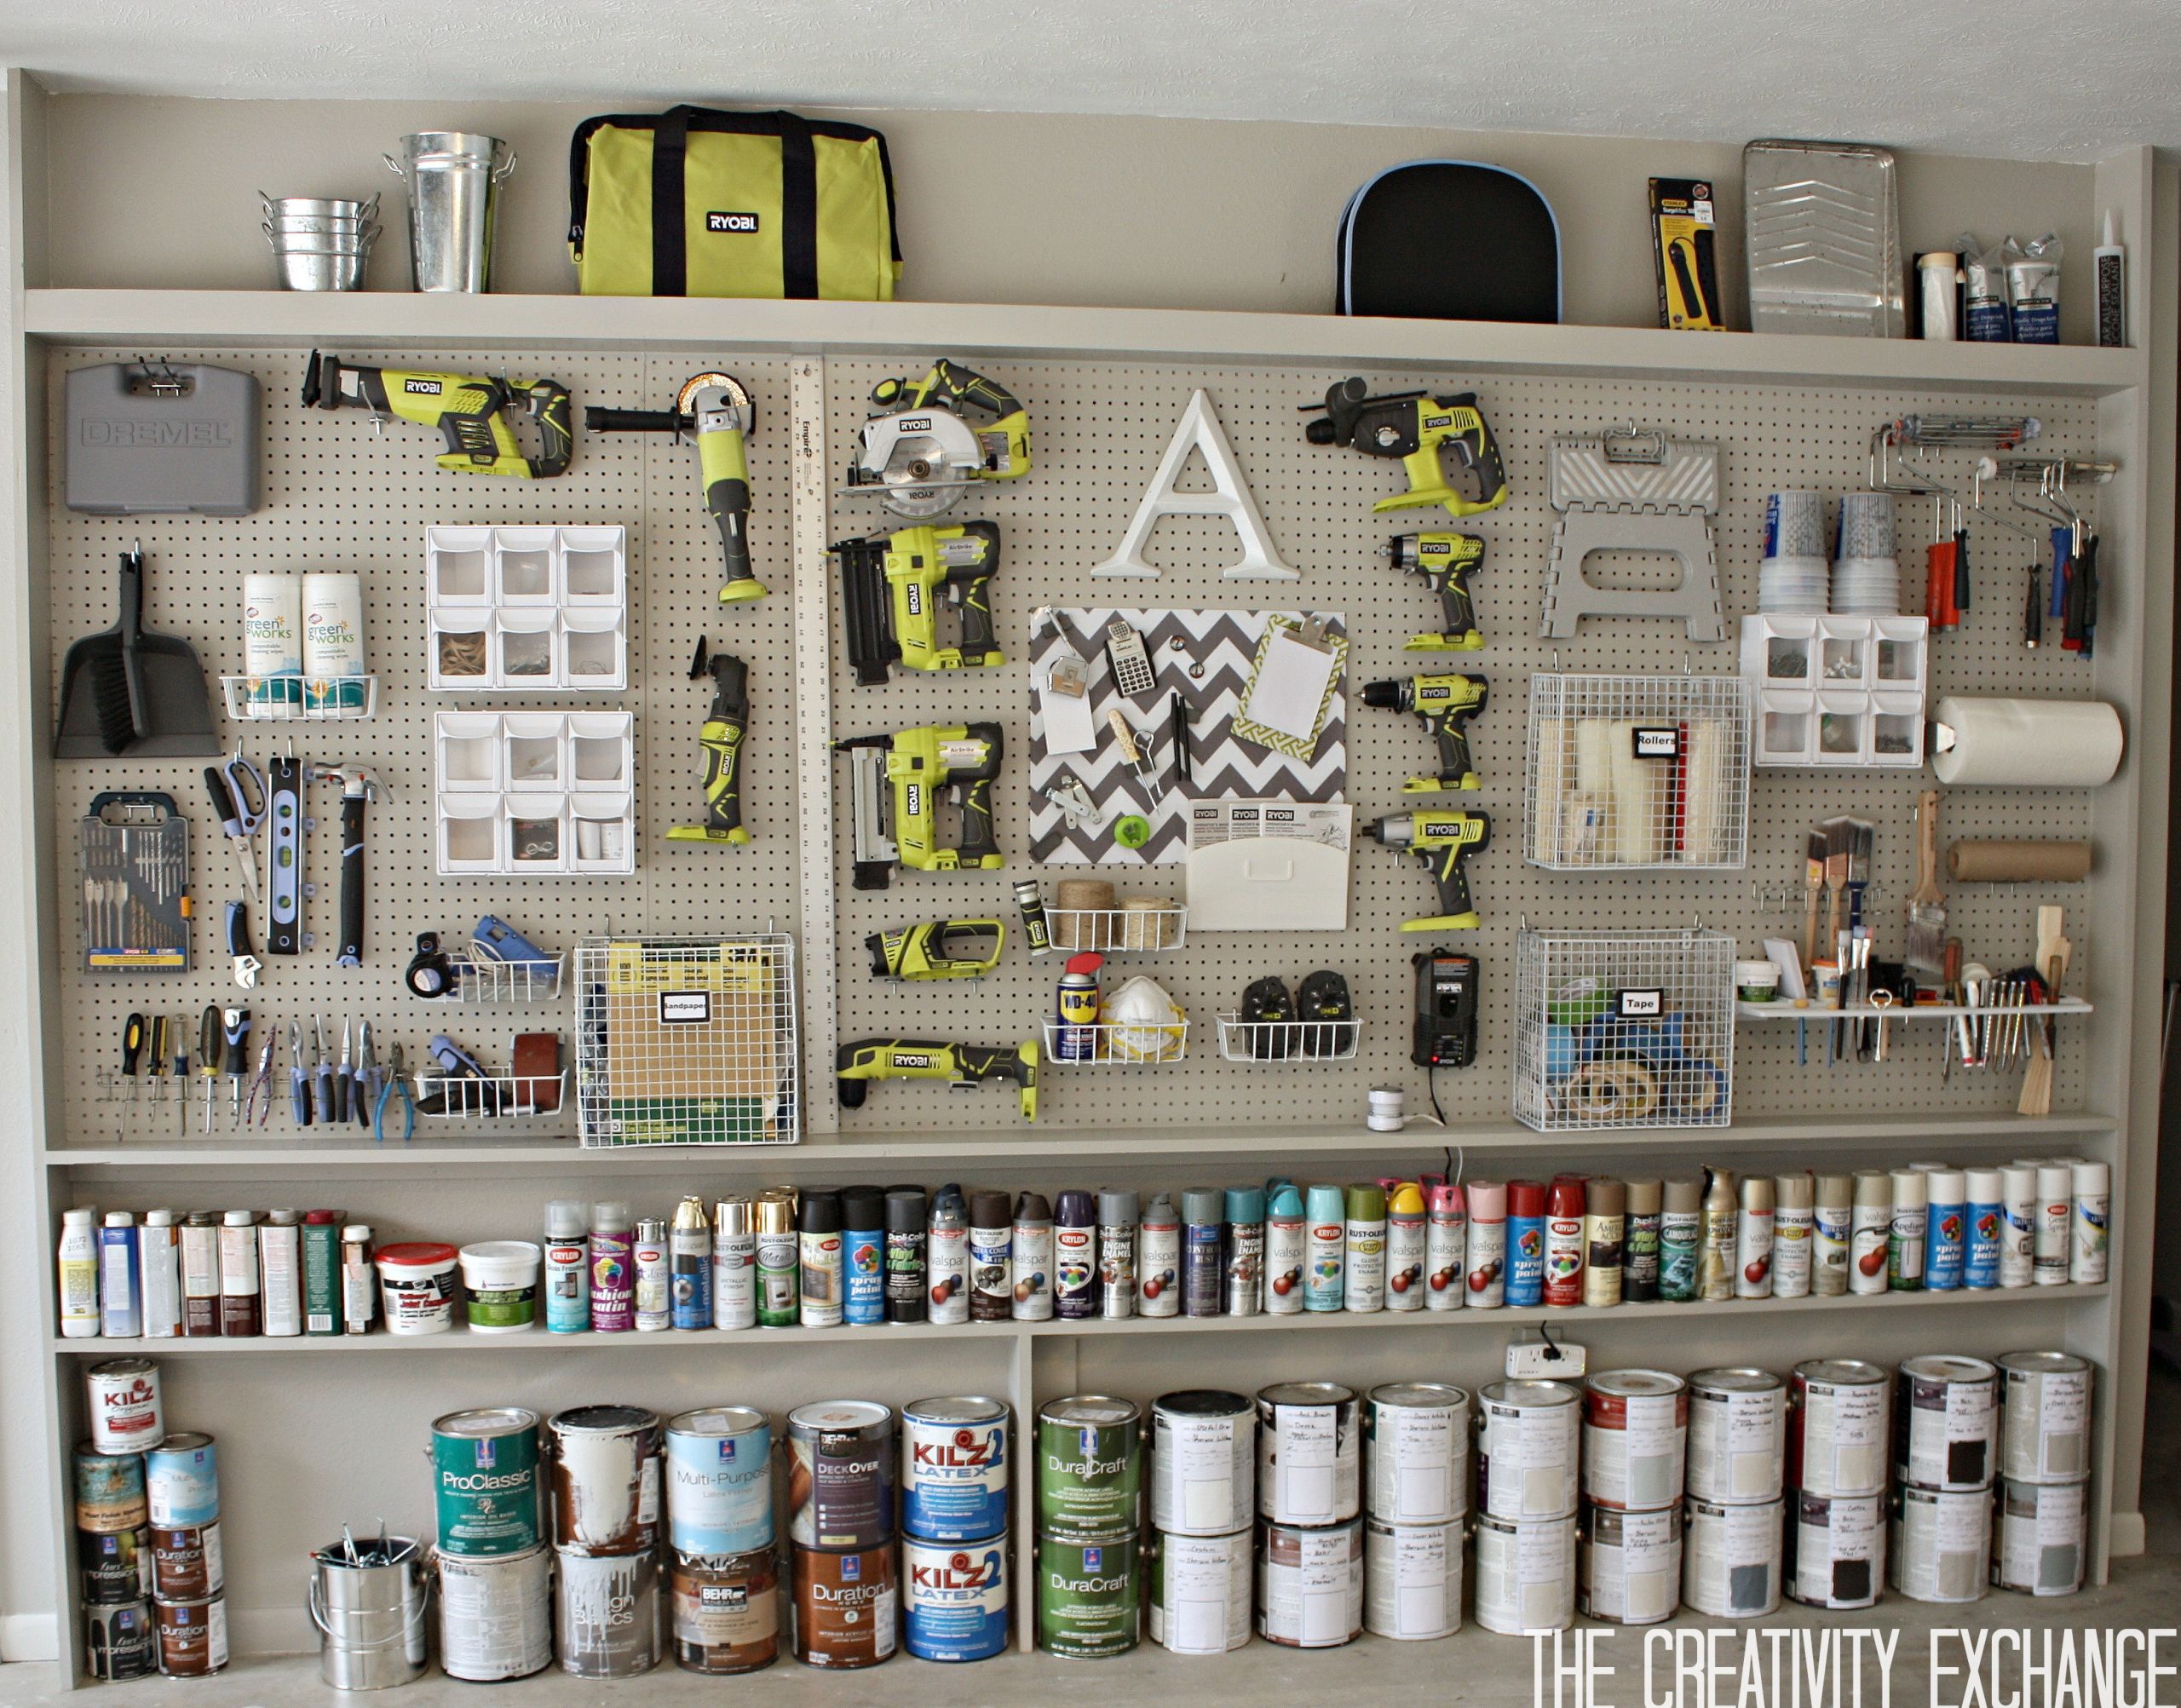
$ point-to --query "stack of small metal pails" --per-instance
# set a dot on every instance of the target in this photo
(2041, 1508)
(1945, 1451)
(955, 1478)
(725, 1577)
(840, 1496)
(606, 1534)
(1732, 1524)
(495, 1571)
(1838, 1435)
(1416, 1484)
(1628, 1529)
(1309, 1547)
(1204, 1471)
(320, 243)
(1090, 1520)
(1528, 1443)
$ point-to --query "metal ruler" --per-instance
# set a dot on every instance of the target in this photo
(813, 741)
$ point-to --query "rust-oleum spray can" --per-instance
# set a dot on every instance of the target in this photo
(1833, 1220)
(1287, 1252)
(1075, 1255)
(1639, 1247)
(991, 1278)
(734, 1263)
(1563, 1241)
(1030, 1246)
(1407, 1242)
(1245, 1251)
(1794, 1220)
(1487, 1285)
(1158, 1259)
(1445, 1246)
(1117, 1280)
(907, 1220)
(1715, 1261)
(1363, 1281)
(1869, 1232)
(1204, 1278)
(947, 1259)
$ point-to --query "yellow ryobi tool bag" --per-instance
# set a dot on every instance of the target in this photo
(694, 202)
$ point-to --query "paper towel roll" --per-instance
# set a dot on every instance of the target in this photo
(2059, 744)
(2017, 862)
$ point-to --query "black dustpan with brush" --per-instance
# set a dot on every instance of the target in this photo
(123, 690)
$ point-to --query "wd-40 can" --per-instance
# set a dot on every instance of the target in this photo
(954, 1468)
(946, 1262)
(1075, 1005)
(734, 1264)
(954, 1598)
(1075, 1255)
(779, 1261)
(719, 1481)
(1287, 1252)
(1090, 1466)
(689, 1255)
(863, 1255)
(486, 1478)
(1203, 1463)
(1116, 1277)
(1243, 1249)
(1158, 1259)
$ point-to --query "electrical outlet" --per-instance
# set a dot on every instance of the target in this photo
(1538, 1361)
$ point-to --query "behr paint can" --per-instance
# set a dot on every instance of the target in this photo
(840, 1475)
(122, 1397)
(1526, 1454)
(1737, 1436)
(182, 1480)
(186, 1563)
(1525, 1573)
(954, 1598)
(1310, 1584)
(1412, 1581)
(120, 1641)
(1200, 1591)
(1634, 1439)
(110, 1490)
(1938, 1544)
(1627, 1564)
(726, 1611)
(954, 1468)
(605, 1482)
(1836, 1548)
(2040, 1536)
(2045, 1417)
(719, 1482)
(489, 1494)
(1945, 1422)
(1839, 1432)
(192, 1637)
(1730, 1558)
(1090, 1592)
(1204, 1460)
(1090, 1467)
(1416, 1452)
(496, 1614)
(1309, 1455)
(607, 1614)
(114, 1566)
(847, 1607)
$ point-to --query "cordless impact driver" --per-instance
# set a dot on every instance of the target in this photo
(1445, 561)
(1446, 703)
(1421, 430)
(472, 412)
(962, 1066)
(721, 738)
(893, 584)
(714, 410)
(1443, 842)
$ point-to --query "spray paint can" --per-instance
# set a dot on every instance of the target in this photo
(281, 1263)
(1445, 1247)
(1075, 1255)
(1753, 1238)
(734, 1264)
(1639, 1247)
(120, 1279)
(1325, 1225)
(1075, 1002)
(1406, 1243)
(2055, 1196)
(907, 1219)
(1715, 1259)
(1681, 1239)
(992, 1281)
(1116, 1277)
(159, 1262)
(820, 1259)
(946, 1262)
(1287, 1251)
(863, 1255)
(567, 1268)
(1563, 1241)
(1795, 1215)
(654, 1276)
(1870, 1233)
(2089, 1224)
(1985, 1216)
(689, 1262)
(1204, 1277)
(1908, 1237)
(1030, 1245)
(1525, 1243)
(780, 1261)
(1487, 1284)
(1158, 1259)
(1832, 1222)
(1037, 929)
(333, 641)
(2018, 1224)
(359, 1280)
(613, 1269)
(1946, 1254)
(1605, 1233)
(1243, 1249)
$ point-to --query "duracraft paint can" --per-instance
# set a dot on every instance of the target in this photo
(1836, 1548)
(1938, 1542)
(2040, 1536)
(1627, 1564)
(1945, 1422)
(954, 1598)
(605, 1483)
(114, 1566)
(719, 1482)
(2045, 1417)
(1089, 1595)
(1412, 1581)
(1838, 1426)
(725, 1612)
(496, 1614)
(1090, 1467)
(1310, 1584)
(182, 1480)
(1204, 1461)
(489, 1494)
(606, 1620)
(840, 1475)
(110, 1490)
(955, 1467)
(1737, 1436)
(1635, 1438)
(1200, 1599)
(1416, 1452)
(1309, 1453)
(1526, 1452)
(1731, 1558)
(122, 1394)
(1525, 1573)
(120, 1641)
(192, 1637)
(186, 1563)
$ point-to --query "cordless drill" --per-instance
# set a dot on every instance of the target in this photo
(1446, 702)
(963, 1066)
(472, 412)
(1443, 842)
(897, 782)
(1445, 561)
(893, 584)
(715, 409)
(724, 727)
(1416, 427)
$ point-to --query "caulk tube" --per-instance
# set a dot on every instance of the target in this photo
(734, 1263)
(1946, 1251)
(1985, 1212)
(1407, 1240)
(1793, 1217)
(946, 1260)
(1030, 1246)
(2017, 1224)
(2109, 274)
(1244, 1250)
(1525, 1243)
(1363, 1278)
(1117, 1281)
(1287, 1252)
(2088, 1251)
(1446, 1248)
(1158, 1259)
(2056, 1194)
(863, 1262)
(1869, 1232)
(1325, 1219)
(1486, 1284)
(1833, 1220)
(2034, 289)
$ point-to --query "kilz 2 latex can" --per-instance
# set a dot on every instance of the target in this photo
(122, 1397)
(496, 1614)
(120, 1641)
(1416, 1452)
(1204, 1457)
(726, 1612)
(954, 1469)
(1737, 1436)
(1310, 1584)
(2040, 1536)
(1200, 1591)
(1945, 1422)
(1837, 1428)
(1525, 1573)
(1627, 1564)
(1836, 1548)
(1731, 1558)
(182, 1480)
(1309, 1453)
(485, 1481)
(954, 1598)
(1090, 1467)
(1412, 1581)
(606, 1484)
(1527, 1455)
(719, 1481)
(1635, 1438)
(1937, 1544)
(840, 1475)
(110, 1490)
(1089, 1597)
(2045, 1417)
(192, 1637)
(186, 1563)
(606, 1616)
(114, 1566)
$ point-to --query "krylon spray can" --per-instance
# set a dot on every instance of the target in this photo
(1326, 1227)
(1075, 1255)
(820, 1259)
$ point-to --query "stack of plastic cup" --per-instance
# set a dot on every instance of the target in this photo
(1794, 577)
(1865, 575)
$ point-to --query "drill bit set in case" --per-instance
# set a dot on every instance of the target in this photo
(135, 856)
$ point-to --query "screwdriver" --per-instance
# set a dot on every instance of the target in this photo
(324, 1112)
(208, 1055)
(298, 1078)
(132, 1046)
(180, 1039)
(235, 1030)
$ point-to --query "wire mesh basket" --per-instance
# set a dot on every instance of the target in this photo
(1638, 772)
(1624, 1029)
(1115, 1043)
(687, 1041)
(1287, 1040)
(1132, 930)
(476, 978)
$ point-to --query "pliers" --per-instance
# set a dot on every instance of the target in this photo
(298, 1079)
(260, 1085)
(371, 1078)
(397, 1086)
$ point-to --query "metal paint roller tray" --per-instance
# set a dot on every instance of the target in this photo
(1823, 227)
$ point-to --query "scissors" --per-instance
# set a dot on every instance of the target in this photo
(237, 793)
(397, 1085)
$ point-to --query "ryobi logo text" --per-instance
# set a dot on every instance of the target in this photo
(421, 388)
(745, 224)
(905, 1059)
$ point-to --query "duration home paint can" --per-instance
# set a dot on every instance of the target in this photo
(606, 1484)
(954, 1598)
(1089, 1596)
(1416, 1452)
(1204, 1460)
(1525, 1573)
(1310, 1584)
(1938, 1545)
(1090, 1467)
(719, 1482)
(1731, 1558)
(847, 1607)
(840, 1475)
(1635, 1438)
(606, 1616)
(1737, 1436)
(496, 1614)
(192, 1637)
(120, 1641)
(182, 1480)
(1627, 1564)
(2045, 1417)
(726, 1611)
(1308, 1456)
(485, 1481)
(1412, 1581)
(1200, 1589)
(1838, 1429)
(2040, 1536)
(110, 1490)
(1945, 1422)
(954, 1469)
(1836, 1548)
(1527, 1455)
(122, 1397)
(186, 1563)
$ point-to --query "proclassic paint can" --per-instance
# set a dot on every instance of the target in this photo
(1937, 1544)
(192, 1637)
(120, 1641)
(1416, 1453)
(1310, 1584)
(1089, 1596)
(726, 1611)
(1309, 1457)
(954, 1469)
(840, 1475)
(1627, 1564)
(719, 1482)
(1525, 1573)
(1836, 1548)
(847, 1607)
(1204, 1461)
(1730, 1558)
(186, 1563)
(607, 1614)
(496, 1614)
(1634, 1439)
(1091, 1469)
(954, 1598)
(2045, 1417)
(1837, 1430)
(1412, 1581)
(1945, 1424)
(182, 1480)
(110, 1490)
(122, 1397)
(605, 1486)
(2040, 1536)
(1200, 1591)
(1737, 1438)
(485, 1480)
(1526, 1460)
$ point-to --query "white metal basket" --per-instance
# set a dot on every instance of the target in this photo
(1298, 1041)
(1113, 1044)
(1118, 930)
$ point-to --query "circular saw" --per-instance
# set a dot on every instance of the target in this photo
(919, 453)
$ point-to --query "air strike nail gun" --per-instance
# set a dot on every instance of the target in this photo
(472, 412)
(898, 778)
(963, 1066)
(1446, 703)
(715, 409)
(937, 949)
(920, 453)
(1443, 842)
(892, 582)
(1444, 560)
(1417, 427)
(724, 727)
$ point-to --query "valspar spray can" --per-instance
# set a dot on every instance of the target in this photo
(1563, 1241)
(1870, 1232)
(1986, 1214)
(1117, 1277)
(2019, 1225)
(734, 1264)
(1486, 1287)
(1204, 1274)
(2090, 1224)
(1158, 1259)
(1075, 1255)
(1946, 1253)
(1324, 1284)
(1446, 1248)
(333, 641)
(2056, 1193)
(1406, 1243)
(992, 1282)
(1286, 1253)
(1243, 1248)
(1525, 1243)
(779, 1263)
(946, 1262)
(1363, 1274)
(863, 1255)
(1832, 1225)
(1030, 1245)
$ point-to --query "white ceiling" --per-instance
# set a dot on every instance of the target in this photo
(2042, 79)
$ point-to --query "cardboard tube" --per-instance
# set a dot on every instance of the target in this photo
(2017, 862)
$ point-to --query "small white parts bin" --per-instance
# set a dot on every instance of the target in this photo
(543, 608)
(1838, 691)
(535, 792)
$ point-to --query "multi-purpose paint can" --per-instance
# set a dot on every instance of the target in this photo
(1525, 1573)
(606, 1480)
(1737, 1436)
(1310, 1584)
(1937, 1544)
(1945, 1422)
(1635, 1438)
(821, 1259)
(109, 1491)
(606, 1614)
(1526, 1201)
(2054, 1239)
(1200, 1588)
(908, 1215)
(182, 1480)
(415, 1283)
(1731, 1558)
(1412, 1581)
(120, 1641)
(612, 1268)
(719, 1481)
(1565, 1258)
(780, 1261)
(2040, 1536)
(1486, 1287)
(1416, 1452)
(1946, 1253)
(1030, 1258)
(496, 1614)
(1287, 1252)
(1836, 1548)
(2019, 1225)
(1839, 1431)
(1833, 1218)
(120, 1288)
(333, 641)
(1870, 1233)
(1984, 1215)
(954, 1467)
(1204, 1270)
(1203, 1463)
(2045, 1417)
(186, 1563)
(1627, 1564)
(1158, 1259)
(946, 1259)
(734, 1264)
(992, 1284)
(1242, 1251)
(724, 1615)
(840, 1474)
(1325, 1283)
(1089, 1596)
(689, 1261)
(2089, 1224)
(863, 1255)
(122, 1395)
(1090, 1467)
(1793, 1216)
(954, 1598)
(487, 1484)
(1075, 1255)
(567, 1267)
(1526, 1452)
(1117, 1277)
(1308, 1453)
(192, 1637)
(1445, 1247)
(114, 1566)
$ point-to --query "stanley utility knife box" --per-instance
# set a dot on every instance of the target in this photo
(151, 438)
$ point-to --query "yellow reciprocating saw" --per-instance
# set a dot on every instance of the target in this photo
(960, 1065)
(473, 412)
(1419, 429)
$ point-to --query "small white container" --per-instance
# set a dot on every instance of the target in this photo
(1757, 981)
(417, 1287)
(500, 1277)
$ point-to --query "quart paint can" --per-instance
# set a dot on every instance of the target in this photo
(847, 1608)
(954, 1468)
(1309, 1453)
(488, 1492)
(1938, 1542)
(1525, 1573)
(120, 1641)
(2045, 1417)
(122, 1394)
(499, 1280)
(2040, 1536)
(1200, 1588)
(1836, 1548)
(186, 1563)
(1090, 1467)
(1416, 1452)
(606, 1614)
(1840, 1431)
(114, 1566)
(726, 1611)
(1945, 1422)
(719, 1482)
(1310, 1584)
(496, 1614)
(1526, 1454)
(1731, 1558)
(1737, 1436)
(1089, 1595)
(110, 1490)
(1635, 1438)
(333, 641)
(840, 1475)
(1412, 1581)
(192, 1637)
(1204, 1462)
(606, 1484)
(182, 1480)
(954, 1598)
(1627, 1564)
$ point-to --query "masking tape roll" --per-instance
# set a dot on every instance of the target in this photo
(2058, 744)
(2017, 862)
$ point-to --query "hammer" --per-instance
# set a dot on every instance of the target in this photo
(358, 785)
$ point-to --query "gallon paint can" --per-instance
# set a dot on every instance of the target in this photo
(120, 1641)
(1525, 1573)
(719, 1483)
(1416, 1452)
(847, 1607)
(1089, 1597)
(1200, 1591)
(606, 1481)
(182, 1480)
(1836, 1548)
(840, 1475)
(1938, 1544)
(1412, 1581)
(726, 1611)
(1634, 1439)
(1204, 1462)
(1527, 1455)
(186, 1563)
(122, 1397)
(1090, 1468)
(2045, 1417)
(1309, 1456)
(954, 1469)
(1737, 1436)
(1310, 1584)
(114, 1566)
(192, 1637)
(1945, 1423)
(1731, 1558)
(110, 1490)
(606, 1613)
(489, 1495)
(496, 1614)
(1627, 1564)
(954, 1598)
(1839, 1429)
(2040, 1536)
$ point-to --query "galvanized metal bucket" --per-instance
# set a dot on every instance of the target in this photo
(368, 1600)
(320, 243)
(453, 178)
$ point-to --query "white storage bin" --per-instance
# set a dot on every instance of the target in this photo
(468, 747)
(601, 827)
(598, 749)
(1780, 651)
(526, 650)
(537, 833)
(537, 752)
(593, 566)
(1897, 730)
(594, 651)
(536, 792)
(1844, 729)
(524, 567)
(470, 833)
(1786, 728)
(1864, 690)
(1844, 658)
(459, 566)
(536, 608)
(1901, 654)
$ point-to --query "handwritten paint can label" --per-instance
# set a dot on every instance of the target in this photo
(1840, 1427)
(1635, 1438)
(1527, 1451)
(1200, 1587)
(2040, 1537)
(1945, 1422)
(1937, 1544)
(1731, 1558)
(1309, 1453)
(1412, 1581)
(1627, 1564)
(1310, 1584)
(2045, 1417)
(1836, 1549)
(1416, 1452)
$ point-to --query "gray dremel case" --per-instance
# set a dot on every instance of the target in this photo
(152, 439)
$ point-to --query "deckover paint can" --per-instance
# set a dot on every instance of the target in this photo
(120, 1641)
(1310, 1584)
(2045, 1417)
(1737, 1436)
(1416, 1452)
(2040, 1536)
(1525, 1573)
(1945, 1422)
(1635, 1438)
(605, 1483)
(186, 1563)
(840, 1475)
(1526, 1456)
(192, 1637)
(1627, 1564)
(607, 1614)
(1412, 1581)
(719, 1481)
(1938, 1542)
(1836, 1548)
(1731, 1558)
(954, 1598)
(110, 1490)
(1089, 1596)
(485, 1481)
(954, 1468)
(1200, 1588)
(1090, 1467)
(725, 1615)
(122, 1394)
(1204, 1460)
(182, 1480)
(1308, 1453)
(1838, 1428)
(496, 1614)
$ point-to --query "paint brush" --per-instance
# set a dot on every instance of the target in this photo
(1926, 952)
(1813, 852)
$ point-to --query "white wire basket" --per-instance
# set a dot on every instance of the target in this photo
(1263, 1041)
(1118, 930)
(473, 979)
(1638, 772)
(289, 699)
(688, 1040)
(1113, 1044)
(1616, 1029)
(494, 1096)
